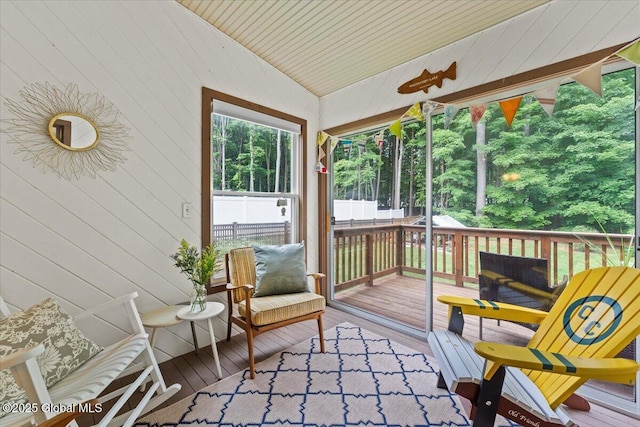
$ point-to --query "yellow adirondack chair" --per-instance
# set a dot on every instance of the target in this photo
(593, 320)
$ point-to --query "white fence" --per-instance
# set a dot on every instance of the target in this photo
(363, 209)
(256, 210)
(249, 210)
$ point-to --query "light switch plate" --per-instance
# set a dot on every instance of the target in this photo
(186, 210)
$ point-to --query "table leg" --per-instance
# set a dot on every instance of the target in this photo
(153, 337)
(214, 348)
(195, 337)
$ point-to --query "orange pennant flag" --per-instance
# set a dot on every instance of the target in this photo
(509, 108)
(591, 78)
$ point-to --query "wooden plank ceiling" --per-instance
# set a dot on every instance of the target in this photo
(330, 44)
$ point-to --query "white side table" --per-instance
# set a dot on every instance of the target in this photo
(213, 309)
(164, 317)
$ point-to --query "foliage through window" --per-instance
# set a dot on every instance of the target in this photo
(574, 171)
(250, 157)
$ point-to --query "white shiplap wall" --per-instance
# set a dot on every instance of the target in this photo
(88, 241)
(556, 31)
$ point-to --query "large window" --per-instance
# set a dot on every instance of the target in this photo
(252, 182)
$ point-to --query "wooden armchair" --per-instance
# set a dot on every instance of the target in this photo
(260, 314)
(594, 318)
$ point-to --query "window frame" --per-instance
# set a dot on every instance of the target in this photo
(208, 97)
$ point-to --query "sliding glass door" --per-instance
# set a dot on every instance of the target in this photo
(557, 184)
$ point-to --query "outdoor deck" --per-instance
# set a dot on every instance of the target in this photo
(402, 298)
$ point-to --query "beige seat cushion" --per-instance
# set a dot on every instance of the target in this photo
(272, 309)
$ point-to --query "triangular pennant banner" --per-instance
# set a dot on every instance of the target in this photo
(321, 153)
(334, 142)
(415, 112)
(346, 145)
(379, 138)
(477, 111)
(362, 143)
(396, 128)
(322, 137)
(631, 53)
(450, 112)
(509, 108)
(547, 97)
(591, 78)
(428, 107)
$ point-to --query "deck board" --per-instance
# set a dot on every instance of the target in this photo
(402, 299)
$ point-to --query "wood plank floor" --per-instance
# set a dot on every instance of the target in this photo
(196, 371)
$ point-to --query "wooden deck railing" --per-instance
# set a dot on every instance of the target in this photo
(362, 254)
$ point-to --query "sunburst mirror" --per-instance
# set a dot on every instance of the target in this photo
(64, 130)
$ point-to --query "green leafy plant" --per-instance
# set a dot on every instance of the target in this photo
(622, 253)
(197, 267)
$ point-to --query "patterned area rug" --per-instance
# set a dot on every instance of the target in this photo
(362, 379)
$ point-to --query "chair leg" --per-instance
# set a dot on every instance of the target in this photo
(442, 384)
(488, 399)
(252, 365)
(321, 334)
(229, 315)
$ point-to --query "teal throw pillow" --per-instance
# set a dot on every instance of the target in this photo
(280, 269)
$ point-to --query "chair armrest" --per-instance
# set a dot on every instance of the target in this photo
(494, 310)
(247, 292)
(316, 278)
(617, 370)
(26, 372)
(20, 356)
(247, 288)
(106, 306)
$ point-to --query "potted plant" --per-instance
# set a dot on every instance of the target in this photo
(198, 268)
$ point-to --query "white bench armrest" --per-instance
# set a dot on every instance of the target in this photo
(106, 306)
(20, 356)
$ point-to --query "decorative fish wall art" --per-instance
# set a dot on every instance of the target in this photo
(425, 80)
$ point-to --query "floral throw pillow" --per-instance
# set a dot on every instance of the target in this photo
(65, 347)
